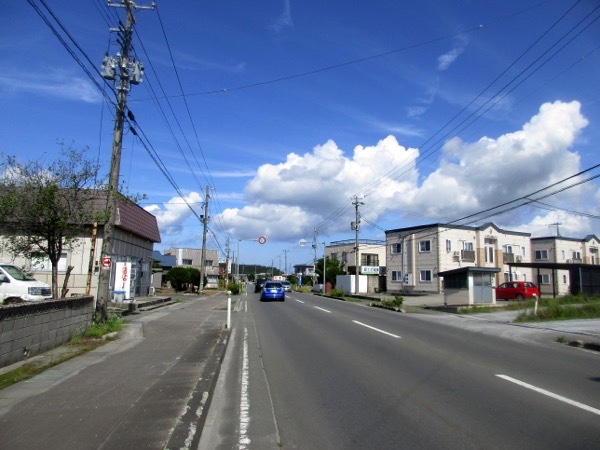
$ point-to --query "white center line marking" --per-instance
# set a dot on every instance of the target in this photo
(551, 394)
(299, 301)
(376, 329)
(316, 307)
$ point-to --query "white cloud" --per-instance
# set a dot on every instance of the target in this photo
(445, 60)
(52, 84)
(285, 19)
(172, 214)
(286, 201)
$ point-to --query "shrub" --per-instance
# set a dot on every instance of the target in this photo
(396, 303)
(336, 293)
(233, 287)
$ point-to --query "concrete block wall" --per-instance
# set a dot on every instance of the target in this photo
(28, 329)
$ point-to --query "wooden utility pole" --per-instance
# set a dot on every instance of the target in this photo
(129, 72)
(204, 232)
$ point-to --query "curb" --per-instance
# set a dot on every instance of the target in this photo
(187, 432)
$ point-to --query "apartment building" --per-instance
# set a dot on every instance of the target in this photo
(556, 253)
(371, 260)
(192, 257)
(415, 255)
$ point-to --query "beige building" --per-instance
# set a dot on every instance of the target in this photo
(415, 255)
(561, 250)
(192, 257)
(371, 260)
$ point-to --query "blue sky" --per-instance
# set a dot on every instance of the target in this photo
(429, 111)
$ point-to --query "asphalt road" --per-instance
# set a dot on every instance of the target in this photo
(314, 373)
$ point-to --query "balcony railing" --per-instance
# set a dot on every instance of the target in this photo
(467, 255)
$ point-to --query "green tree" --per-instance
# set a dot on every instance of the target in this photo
(44, 207)
(332, 268)
(179, 277)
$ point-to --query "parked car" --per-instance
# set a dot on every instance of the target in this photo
(16, 286)
(272, 290)
(258, 285)
(287, 286)
(518, 290)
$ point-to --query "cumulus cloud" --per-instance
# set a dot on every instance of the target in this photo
(285, 201)
(172, 214)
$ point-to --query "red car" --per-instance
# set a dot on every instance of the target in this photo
(519, 290)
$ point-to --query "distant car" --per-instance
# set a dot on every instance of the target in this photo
(258, 285)
(287, 286)
(272, 290)
(517, 290)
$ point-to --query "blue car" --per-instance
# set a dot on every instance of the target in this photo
(272, 290)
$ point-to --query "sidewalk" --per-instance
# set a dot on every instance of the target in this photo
(149, 389)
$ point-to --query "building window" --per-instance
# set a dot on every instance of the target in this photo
(564, 279)
(369, 259)
(448, 245)
(397, 276)
(544, 278)
(541, 255)
(40, 262)
(425, 246)
(186, 262)
(468, 246)
(396, 248)
(344, 257)
(425, 276)
(576, 255)
(334, 256)
(208, 263)
(489, 254)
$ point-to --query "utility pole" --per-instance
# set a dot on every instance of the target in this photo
(204, 232)
(314, 246)
(226, 262)
(356, 226)
(129, 72)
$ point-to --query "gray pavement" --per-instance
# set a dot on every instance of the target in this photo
(151, 388)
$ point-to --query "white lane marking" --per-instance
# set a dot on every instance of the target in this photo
(299, 301)
(551, 394)
(316, 307)
(244, 440)
(376, 329)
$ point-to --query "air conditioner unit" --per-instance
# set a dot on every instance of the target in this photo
(519, 258)
(457, 254)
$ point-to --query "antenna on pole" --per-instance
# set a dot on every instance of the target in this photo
(557, 225)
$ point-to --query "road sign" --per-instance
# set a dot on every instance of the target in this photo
(262, 240)
(106, 261)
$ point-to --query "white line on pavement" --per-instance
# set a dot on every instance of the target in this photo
(551, 394)
(376, 329)
(299, 301)
(322, 309)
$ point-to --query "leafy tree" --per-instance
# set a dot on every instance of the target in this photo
(45, 207)
(179, 277)
(332, 268)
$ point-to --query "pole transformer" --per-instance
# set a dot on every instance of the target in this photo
(128, 72)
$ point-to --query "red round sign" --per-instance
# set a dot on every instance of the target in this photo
(262, 240)
(106, 261)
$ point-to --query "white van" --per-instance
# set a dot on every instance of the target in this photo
(16, 285)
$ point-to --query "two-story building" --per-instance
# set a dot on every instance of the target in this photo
(192, 257)
(371, 257)
(415, 255)
(554, 256)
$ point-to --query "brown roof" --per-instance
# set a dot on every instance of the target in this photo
(134, 218)
(131, 217)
